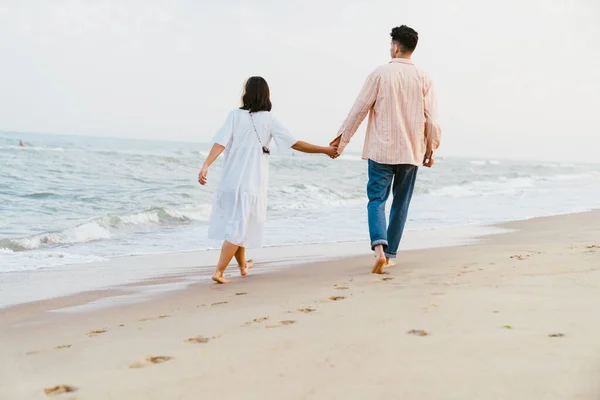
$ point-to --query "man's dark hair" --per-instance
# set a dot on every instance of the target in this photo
(406, 37)
(256, 95)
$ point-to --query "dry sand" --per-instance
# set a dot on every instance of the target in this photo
(512, 317)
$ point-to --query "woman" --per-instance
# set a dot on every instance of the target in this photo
(240, 207)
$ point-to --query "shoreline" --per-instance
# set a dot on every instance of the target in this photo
(198, 265)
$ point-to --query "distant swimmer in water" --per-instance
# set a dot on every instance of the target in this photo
(21, 144)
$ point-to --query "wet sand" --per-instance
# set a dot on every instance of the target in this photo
(510, 317)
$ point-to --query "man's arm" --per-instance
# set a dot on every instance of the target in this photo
(433, 132)
(362, 105)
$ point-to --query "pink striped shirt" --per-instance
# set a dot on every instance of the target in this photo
(403, 121)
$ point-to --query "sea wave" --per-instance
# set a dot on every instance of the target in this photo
(32, 148)
(503, 185)
(301, 196)
(103, 228)
(30, 261)
(485, 162)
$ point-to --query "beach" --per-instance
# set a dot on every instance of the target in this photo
(508, 316)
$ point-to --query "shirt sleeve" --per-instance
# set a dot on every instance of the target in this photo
(364, 102)
(283, 137)
(433, 131)
(225, 134)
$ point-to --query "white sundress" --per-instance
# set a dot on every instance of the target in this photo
(240, 207)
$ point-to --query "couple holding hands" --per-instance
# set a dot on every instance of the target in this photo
(402, 134)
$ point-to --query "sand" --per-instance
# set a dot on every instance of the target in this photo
(511, 317)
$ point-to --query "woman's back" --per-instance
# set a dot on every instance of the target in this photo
(243, 135)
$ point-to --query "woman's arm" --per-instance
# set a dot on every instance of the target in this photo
(215, 152)
(305, 147)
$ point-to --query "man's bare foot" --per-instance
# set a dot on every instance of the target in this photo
(390, 263)
(244, 270)
(219, 278)
(380, 263)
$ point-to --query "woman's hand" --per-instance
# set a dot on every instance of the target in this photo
(202, 175)
(331, 151)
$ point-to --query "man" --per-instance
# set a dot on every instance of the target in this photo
(402, 133)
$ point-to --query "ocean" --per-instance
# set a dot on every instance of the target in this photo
(75, 200)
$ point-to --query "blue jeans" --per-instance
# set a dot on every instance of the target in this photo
(382, 178)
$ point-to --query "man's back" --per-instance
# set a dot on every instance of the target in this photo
(403, 118)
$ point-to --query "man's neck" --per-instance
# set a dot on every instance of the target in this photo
(404, 56)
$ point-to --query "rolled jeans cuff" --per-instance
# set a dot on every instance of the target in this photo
(378, 242)
(389, 255)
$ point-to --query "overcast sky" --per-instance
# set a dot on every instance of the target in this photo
(515, 78)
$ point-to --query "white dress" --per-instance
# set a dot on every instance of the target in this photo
(240, 208)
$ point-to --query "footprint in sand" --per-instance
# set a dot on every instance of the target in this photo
(241, 294)
(386, 278)
(336, 298)
(256, 321)
(153, 318)
(197, 340)
(281, 323)
(306, 310)
(63, 346)
(219, 303)
(149, 361)
(59, 389)
(520, 257)
(555, 335)
(343, 286)
(96, 332)
(418, 332)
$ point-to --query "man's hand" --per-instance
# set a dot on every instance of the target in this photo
(202, 175)
(428, 159)
(336, 142)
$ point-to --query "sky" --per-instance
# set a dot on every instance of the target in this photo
(514, 78)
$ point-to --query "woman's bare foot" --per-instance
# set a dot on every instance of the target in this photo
(218, 277)
(244, 270)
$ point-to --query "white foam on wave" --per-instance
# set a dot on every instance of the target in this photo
(485, 188)
(574, 177)
(28, 261)
(107, 227)
(32, 148)
(309, 196)
(485, 162)
(85, 233)
(504, 185)
(162, 216)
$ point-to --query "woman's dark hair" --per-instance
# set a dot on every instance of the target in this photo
(256, 95)
(406, 37)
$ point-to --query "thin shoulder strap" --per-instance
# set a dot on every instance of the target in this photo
(255, 131)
